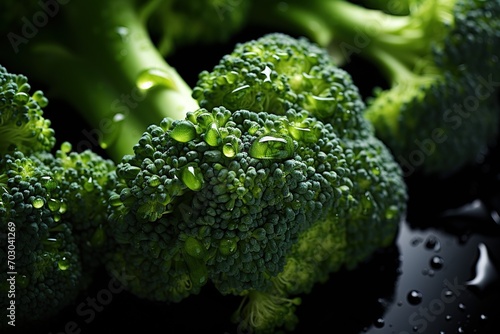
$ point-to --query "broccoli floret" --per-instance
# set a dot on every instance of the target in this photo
(277, 72)
(114, 72)
(53, 210)
(263, 193)
(227, 193)
(433, 58)
(55, 206)
(22, 124)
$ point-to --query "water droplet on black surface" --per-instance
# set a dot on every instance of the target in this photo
(379, 323)
(414, 297)
(432, 243)
(437, 262)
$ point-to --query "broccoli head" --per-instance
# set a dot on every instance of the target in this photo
(55, 207)
(262, 193)
(277, 72)
(22, 123)
(439, 59)
(223, 196)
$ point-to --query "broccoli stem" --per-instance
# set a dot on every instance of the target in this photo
(111, 72)
(353, 29)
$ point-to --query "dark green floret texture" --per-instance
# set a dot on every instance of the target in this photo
(277, 72)
(21, 115)
(263, 199)
(55, 206)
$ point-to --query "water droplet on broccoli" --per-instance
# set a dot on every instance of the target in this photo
(192, 177)
(183, 132)
(154, 77)
(275, 146)
(38, 202)
(63, 264)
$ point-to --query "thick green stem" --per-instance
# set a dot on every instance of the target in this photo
(101, 59)
(351, 28)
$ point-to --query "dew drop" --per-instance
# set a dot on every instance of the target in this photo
(54, 204)
(379, 323)
(21, 98)
(183, 131)
(63, 264)
(192, 177)
(212, 135)
(275, 146)
(89, 184)
(437, 262)
(414, 297)
(154, 77)
(432, 243)
(154, 181)
(227, 246)
(229, 150)
(37, 202)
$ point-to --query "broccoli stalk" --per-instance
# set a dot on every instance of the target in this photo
(112, 71)
(433, 58)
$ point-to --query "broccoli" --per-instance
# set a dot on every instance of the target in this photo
(263, 191)
(22, 123)
(53, 210)
(114, 71)
(439, 60)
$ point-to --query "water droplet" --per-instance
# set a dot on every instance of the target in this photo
(448, 317)
(267, 72)
(212, 135)
(227, 246)
(379, 323)
(229, 150)
(63, 264)
(21, 98)
(192, 177)
(154, 181)
(194, 248)
(123, 33)
(432, 243)
(37, 202)
(48, 182)
(89, 184)
(183, 131)
(154, 77)
(414, 297)
(461, 307)
(437, 262)
(485, 271)
(54, 204)
(275, 146)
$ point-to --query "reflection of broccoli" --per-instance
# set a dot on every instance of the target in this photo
(434, 58)
(53, 207)
(264, 191)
